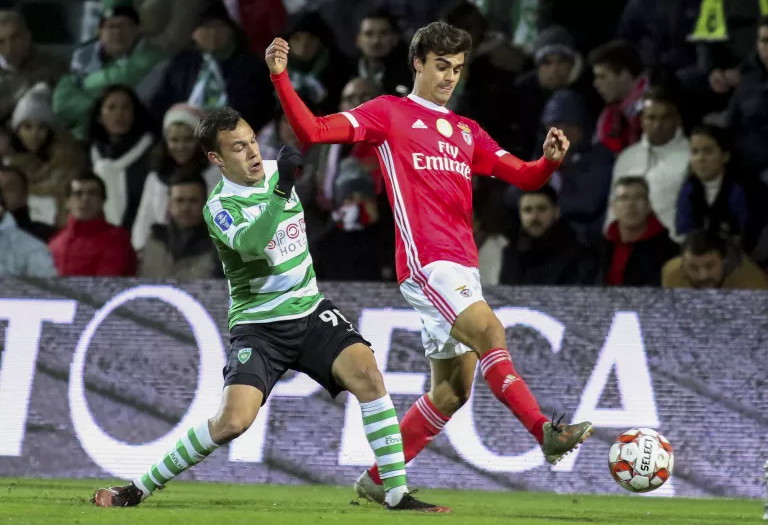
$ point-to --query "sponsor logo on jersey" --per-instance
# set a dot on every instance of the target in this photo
(223, 220)
(466, 133)
(464, 291)
(419, 125)
(244, 354)
(393, 440)
(289, 240)
(444, 127)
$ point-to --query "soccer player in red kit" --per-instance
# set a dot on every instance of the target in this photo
(428, 155)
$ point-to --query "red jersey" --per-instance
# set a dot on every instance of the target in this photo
(428, 155)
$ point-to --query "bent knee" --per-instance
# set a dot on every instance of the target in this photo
(231, 426)
(448, 399)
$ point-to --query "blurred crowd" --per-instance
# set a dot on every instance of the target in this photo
(665, 104)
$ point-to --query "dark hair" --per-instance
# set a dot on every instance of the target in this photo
(438, 38)
(142, 121)
(763, 22)
(661, 95)
(181, 178)
(220, 119)
(617, 55)
(716, 133)
(88, 177)
(631, 181)
(380, 13)
(546, 190)
(704, 242)
(19, 173)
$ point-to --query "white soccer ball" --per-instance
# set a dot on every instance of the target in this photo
(641, 460)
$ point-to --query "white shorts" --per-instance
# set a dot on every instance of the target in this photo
(440, 292)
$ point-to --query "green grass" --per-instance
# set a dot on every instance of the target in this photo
(44, 502)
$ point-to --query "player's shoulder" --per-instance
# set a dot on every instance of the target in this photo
(382, 101)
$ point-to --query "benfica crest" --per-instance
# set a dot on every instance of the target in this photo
(466, 133)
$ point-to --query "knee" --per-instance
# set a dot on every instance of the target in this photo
(365, 380)
(448, 399)
(227, 427)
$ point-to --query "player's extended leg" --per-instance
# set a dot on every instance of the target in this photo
(451, 386)
(239, 407)
(355, 369)
(479, 328)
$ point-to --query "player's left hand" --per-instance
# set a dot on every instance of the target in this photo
(556, 145)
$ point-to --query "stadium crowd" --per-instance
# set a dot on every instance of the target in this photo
(665, 105)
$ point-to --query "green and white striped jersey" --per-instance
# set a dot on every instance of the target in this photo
(262, 241)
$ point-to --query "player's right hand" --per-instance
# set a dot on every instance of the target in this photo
(277, 56)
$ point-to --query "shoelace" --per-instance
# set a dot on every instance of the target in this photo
(557, 424)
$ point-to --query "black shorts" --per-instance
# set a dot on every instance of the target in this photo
(260, 353)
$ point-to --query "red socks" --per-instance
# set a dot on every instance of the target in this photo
(419, 426)
(423, 421)
(510, 389)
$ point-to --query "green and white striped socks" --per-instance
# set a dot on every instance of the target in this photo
(383, 432)
(191, 449)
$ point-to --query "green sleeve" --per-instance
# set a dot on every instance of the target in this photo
(227, 223)
(71, 102)
(128, 71)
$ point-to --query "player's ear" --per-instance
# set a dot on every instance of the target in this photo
(214, 158)
(418, 65)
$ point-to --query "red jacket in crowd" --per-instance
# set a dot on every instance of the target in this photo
(93, 248)
(619, 124)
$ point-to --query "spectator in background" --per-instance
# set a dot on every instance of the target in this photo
(558, 66)
(661, 157)
(261, 20)
(483, 92)
(619, 79)
(591, 22)
(707, 262)
(47, 154)
(120, 55)
(583, 180)
(20, 253)
(545, 251)
(660, 29)
(636, 245)
(350, 247)
(318, 70)
(177, 153)
(383, 54)
(748, 109)
(711, 199)
(22, 65)
(88, 245)
(181, 248)
(218, 71)
(14, 193)
(121, 144)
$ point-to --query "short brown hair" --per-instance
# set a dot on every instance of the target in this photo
(220, 119)
(617, 56)
(624, 182)
(438, 38)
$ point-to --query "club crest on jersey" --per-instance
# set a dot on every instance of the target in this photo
(223, 220)
(244, 355)
(466, 133)
(464, 291)
(444, 127)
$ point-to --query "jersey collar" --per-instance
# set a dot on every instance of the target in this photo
(231, 188)
(427, 104)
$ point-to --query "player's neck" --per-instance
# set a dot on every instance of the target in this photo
(424, 96)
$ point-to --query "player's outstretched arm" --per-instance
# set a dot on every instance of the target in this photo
(533, 175)
(309, 129)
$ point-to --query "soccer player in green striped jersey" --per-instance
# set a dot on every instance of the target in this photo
(278, 319)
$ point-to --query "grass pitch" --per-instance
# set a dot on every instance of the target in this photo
(44, 502)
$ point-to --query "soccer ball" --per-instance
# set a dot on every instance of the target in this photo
(641, 460)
